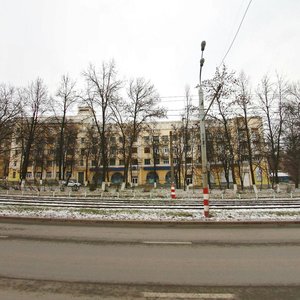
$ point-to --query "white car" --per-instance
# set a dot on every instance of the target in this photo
(71, 183)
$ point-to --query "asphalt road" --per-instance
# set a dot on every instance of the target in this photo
(61, 261)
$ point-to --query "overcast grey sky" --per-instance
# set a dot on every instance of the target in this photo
(158, 39)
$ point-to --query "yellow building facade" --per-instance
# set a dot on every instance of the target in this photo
(151, 156)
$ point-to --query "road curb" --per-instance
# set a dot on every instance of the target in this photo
(141, 222)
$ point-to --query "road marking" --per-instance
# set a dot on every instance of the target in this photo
(188, 295)
(167, 243)
(3, 236)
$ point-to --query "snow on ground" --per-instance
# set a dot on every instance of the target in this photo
(233, 215)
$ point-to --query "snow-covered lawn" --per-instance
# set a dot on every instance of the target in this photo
(233, 215)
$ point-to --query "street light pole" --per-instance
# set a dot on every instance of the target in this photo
(203, 139)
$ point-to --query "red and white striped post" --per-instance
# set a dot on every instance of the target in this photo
(206, 202)
(173, 194)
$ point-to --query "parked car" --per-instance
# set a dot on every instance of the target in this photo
(71, 183)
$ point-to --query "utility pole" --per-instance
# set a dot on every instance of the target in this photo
(171, 158)
(203, 138)
(185, 125)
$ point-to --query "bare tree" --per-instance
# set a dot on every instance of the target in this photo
(291, 135)
(221, 88)
(91, 148)
(189, 112)
(35, 103)
(243, 100)
(66, 97)
(10, 110)
(271, 99)
(70, 149)
(132, 114)
(102, 89)
(178, 152)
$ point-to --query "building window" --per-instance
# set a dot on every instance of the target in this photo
(147, 161)
(166, 150)
(187, 148)
(14, 174)
(134, 180)
(121, 162)
(146, 139)
(166, 161)
(156, 138)
(113, 150)
(157, 161)
(38, 175)
(81, 163)
(94, 163)
(165, 138)
(188, 160)
(112, 162)
(82, 151)
(156, 150)
(50, 151)
(28, 175)
(49, 163)
(15, 163)
(146, 150)
(189, 180)
(82, 140)
(48, 174)
(134, 162)
(134, 150)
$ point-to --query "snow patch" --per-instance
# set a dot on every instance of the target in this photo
(289, 214)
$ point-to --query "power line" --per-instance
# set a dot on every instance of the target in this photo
(236, 33)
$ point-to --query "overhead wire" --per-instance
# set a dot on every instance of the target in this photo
(165, 99)
(235, 36)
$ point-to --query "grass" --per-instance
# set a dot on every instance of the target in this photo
(92, 211)
(181, 214)
(116, 213)
(286, 213)
(25, 208)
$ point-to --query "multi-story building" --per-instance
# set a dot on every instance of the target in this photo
(151, 154)
(4, 159)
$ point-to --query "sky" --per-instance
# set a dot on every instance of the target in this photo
(155, 39)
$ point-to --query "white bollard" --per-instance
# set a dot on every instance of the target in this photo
(123, 186)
